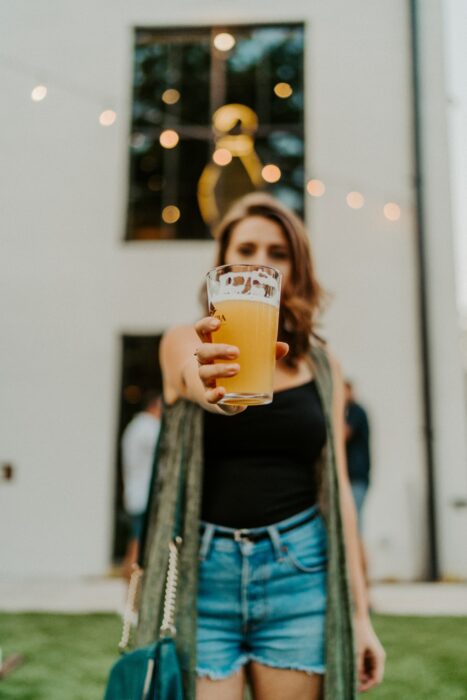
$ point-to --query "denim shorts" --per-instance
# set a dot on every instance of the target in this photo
(263, 601)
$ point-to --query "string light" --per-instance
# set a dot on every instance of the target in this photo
(169, 138)
(316, 188)
(392, 211)
(170, 96)
(355, 200)
(224, 41)
(39, 93)
(222, 156)
(283, 90)
(170, 214)
(271, 173)
(107, 117)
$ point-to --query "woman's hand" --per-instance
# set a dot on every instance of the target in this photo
(370, 655)
(210, 371)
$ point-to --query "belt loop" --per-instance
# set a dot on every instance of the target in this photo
(206, 540)
(274, 534)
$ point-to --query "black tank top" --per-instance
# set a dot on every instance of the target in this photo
(259, 466)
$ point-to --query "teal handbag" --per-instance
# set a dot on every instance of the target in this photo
(149, 673)
(152, 672)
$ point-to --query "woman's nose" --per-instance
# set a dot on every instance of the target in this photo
(259, 258)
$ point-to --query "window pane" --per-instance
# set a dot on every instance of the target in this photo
(211, 108)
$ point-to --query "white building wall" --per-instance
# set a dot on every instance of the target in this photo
(447, 378)
(71, 287)
(455, 22)
(360, 90)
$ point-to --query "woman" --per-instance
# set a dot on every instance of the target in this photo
(270, 612)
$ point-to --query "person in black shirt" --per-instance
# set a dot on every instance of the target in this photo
(358, 449)
(262, 590)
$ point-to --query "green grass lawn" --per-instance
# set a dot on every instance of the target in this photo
(68, 656)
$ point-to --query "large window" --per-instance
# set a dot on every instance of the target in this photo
(217, 112)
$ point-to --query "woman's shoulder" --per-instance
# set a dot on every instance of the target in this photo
(333, 361)
(321, 348)
(321, 351)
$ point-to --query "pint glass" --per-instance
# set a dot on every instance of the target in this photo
(246, 299)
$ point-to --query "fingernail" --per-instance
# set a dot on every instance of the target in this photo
(214, 322)
(233, 370)
(232, 351)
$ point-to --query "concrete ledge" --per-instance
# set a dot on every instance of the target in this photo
(420, 599)
(63, 596)
(108, 595)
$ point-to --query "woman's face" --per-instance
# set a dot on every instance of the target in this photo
(260, 241)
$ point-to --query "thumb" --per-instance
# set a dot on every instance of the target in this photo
(282, 350)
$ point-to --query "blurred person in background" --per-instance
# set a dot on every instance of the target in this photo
(357, 436)
(138, 443)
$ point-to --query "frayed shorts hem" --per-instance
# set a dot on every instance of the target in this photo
(284, 665)
(221, 675)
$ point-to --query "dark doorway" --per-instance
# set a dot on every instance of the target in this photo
(140, 372)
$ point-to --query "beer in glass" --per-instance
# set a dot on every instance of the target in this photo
(246, 299)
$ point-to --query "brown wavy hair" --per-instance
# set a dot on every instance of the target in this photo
(303, 296)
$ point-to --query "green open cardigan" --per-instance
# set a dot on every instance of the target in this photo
(181, 447)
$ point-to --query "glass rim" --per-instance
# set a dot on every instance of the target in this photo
(245, 265)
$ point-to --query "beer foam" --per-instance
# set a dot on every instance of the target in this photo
(246, 285)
